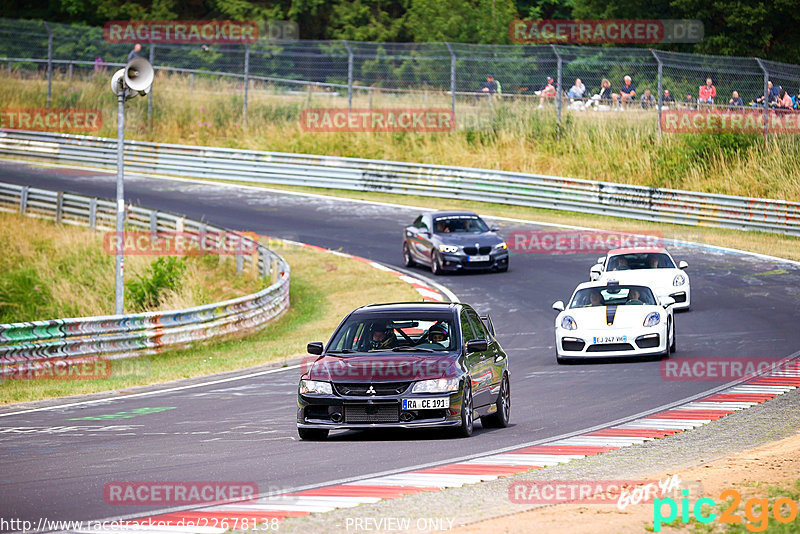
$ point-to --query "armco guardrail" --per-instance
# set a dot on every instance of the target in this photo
(26, 345)
(552, 192)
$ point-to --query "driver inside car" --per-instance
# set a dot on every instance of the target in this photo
(437, 334)
(382, 337)
(633, 297)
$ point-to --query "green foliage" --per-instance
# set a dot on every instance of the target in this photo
(461, 21)
(22, 295)
(163, 275)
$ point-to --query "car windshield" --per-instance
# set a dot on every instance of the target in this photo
(411, 333)
(653, 260)
(459, 224)
(615, 295)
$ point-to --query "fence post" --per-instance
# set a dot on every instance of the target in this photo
(153, 225)
(23, 200)
(452, 79)
(246, 82)
(59, 206)
(766, 98)
(558, 85)
(191, 81)
(150, 93)
(349, 76)
(69, 73)
(49, 62)
(660, 87)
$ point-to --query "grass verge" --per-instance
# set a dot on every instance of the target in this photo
(510, 135)
(324, 288)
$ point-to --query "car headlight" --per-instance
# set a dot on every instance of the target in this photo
(652, 319)
(448, 249)
(501, 246)
(315, 387)
(679, 280)
(439, 385)
(568, 323)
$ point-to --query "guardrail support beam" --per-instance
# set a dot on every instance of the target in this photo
(93, 213)
(59, 206)
(23, 200)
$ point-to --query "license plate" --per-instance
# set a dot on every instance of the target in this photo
(479, 258)
(610, 339)
(426, 404)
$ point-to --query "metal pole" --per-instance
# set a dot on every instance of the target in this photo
(452, 79)
(150, 94)
(119, 286)
(246, 82)
(766, 98)
(558, 85)
(660, 88)
(49, 63)
(349, 76)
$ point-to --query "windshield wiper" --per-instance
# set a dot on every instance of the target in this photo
(409, 348)
(343, 351)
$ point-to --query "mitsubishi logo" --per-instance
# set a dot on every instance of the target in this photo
(371, 390)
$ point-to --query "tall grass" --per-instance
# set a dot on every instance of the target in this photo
(64, 271)
(510, 135)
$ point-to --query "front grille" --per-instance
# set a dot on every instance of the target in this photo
(609, 347)
(472, 251)
(575, 344)
(648, 342)
(679, 297)
(359, 389)
(372, 413)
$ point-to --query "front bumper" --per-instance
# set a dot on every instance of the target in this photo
(340, 412)
(461, 262)
(637, 343)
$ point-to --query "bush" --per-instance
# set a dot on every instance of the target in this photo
(163, 275)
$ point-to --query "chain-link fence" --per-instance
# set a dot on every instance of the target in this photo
(447, 74)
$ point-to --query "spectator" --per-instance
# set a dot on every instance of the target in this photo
(99, 66)
(489, 86)
(668, 100)
(647, 100)
(796, 100)
(603, 97)
(548, 90)
(626, 93)
(136, 52)
(772, 93)
(784, 102)
(688, 102)
(578, 90)
(736, 100)
(707, 93)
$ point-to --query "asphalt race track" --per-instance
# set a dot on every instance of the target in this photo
(55, 463)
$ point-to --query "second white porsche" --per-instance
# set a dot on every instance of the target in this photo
(609, 319)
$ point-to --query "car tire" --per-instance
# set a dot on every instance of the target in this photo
(408, 261)
(500, 418)
(436, 263)
(674, 344)
(312, 434)
(467, 413)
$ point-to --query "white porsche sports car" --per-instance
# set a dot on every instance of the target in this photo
(653, 267)
(611, 319)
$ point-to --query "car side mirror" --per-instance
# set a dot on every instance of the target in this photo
(494, 228)
(667, 301)
(315, 347)
(601, 259)
(477, 345)
(682, 265)
(558, 305)
(595, 272)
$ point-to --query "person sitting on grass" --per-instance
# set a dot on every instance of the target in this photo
(548, 90)
(736, 100)
(626, 94)
(578, 90)
(667, 100)
(707, 93)
(647, 100)
(602, 99)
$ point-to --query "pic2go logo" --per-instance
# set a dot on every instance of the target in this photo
(756, 511)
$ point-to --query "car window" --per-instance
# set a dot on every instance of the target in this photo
(418, 222)
(466, 328)
(615, 295)
(379, 334)
(655, 260)
(477, 325)
(460, 224)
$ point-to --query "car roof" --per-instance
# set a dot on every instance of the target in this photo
(436, 214)
(636, 250)
(404, 307)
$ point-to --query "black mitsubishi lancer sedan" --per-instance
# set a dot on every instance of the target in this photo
(405, 365)
(454, 241)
